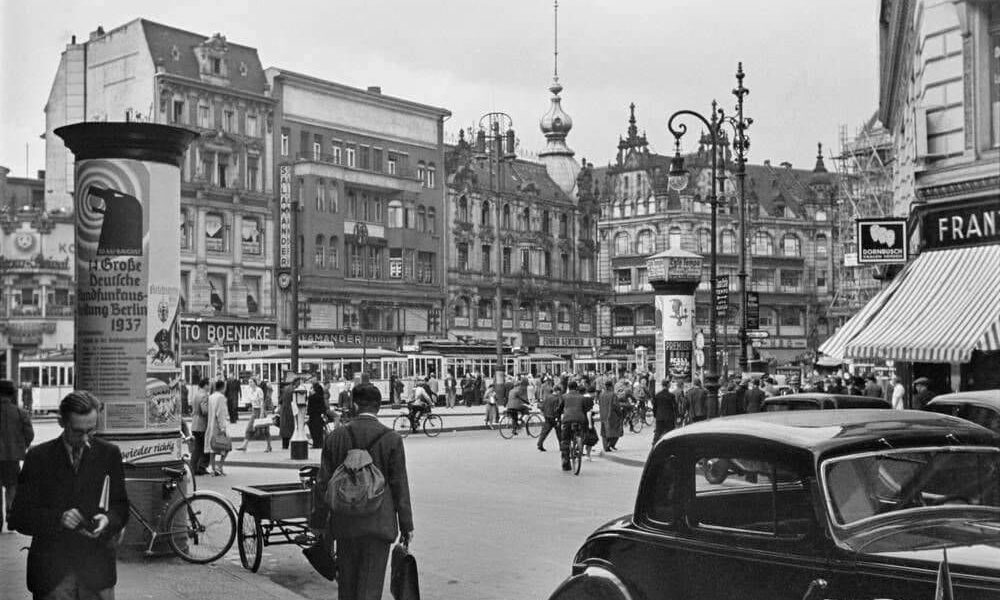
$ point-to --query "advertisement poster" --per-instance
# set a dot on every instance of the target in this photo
(675, 315)
(127, 330)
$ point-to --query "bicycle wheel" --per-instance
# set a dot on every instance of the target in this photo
(533, 425)
(433, 425)
(506, 427)
(200, 528)
(250, 538)
(647, 417)
(401, 425)
(635, 423)
(576, 453)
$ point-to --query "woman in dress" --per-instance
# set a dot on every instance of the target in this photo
(218, 417)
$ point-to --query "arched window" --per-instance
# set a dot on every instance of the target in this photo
(505, 217)
(526, 310)
(705, 240)
(622, 316)
(563, 226)
(821, 248)
(790, 245)
(762, 244)
(645, 243)
(320, 252)
(333, 254)
(728, 241)
(507, 309)
(395, 214)
(651, 205)
(675, 238)
(623, 244)
(545, 312)
(422, 173)
(462, 307)
(585, 232)
(431, 180)
(485, 308)
(320, 196)
(463, 209)
(334, 199)
(525, 219)
(431, 220)
(421, 218)
(563, 313)
(485, 217)
(645, 316)
(546, 223)
(821, 215)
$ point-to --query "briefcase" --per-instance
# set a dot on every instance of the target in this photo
(403, 579)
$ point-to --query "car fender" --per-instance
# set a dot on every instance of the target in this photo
(591, 582)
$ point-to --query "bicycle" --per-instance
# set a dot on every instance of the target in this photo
(576, 449)
(634, 419)
(200, 527)
(430, 423)
(532, 423)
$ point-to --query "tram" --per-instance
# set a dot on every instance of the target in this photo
(51, 377)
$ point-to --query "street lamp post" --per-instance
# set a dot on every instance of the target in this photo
(678, 179)
(495, 143)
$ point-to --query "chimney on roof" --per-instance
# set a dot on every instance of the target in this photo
(41, 174)
(767, 162)
(787, 164)
(72, 40)
(375, 89)
(98, 33)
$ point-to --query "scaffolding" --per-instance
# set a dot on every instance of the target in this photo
(864, 182)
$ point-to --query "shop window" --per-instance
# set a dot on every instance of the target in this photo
(622, 316)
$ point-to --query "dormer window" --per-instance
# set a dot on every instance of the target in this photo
(216, 65)
(175, 53)
(243, 69)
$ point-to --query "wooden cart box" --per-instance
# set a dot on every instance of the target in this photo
(277, 501)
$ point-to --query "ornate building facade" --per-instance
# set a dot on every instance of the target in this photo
(788, 243)
(366, 170)
(150, 72)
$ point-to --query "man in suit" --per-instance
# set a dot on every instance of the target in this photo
(16, 434)
(551, 410)
(753, 398)
(363, 542)
(59, 503)
(664, 411)
(697, 401)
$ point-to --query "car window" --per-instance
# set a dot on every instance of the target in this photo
(751, 495)
(663, 492)
(981, 415)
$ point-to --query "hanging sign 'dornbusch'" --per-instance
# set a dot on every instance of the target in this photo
(881, 241)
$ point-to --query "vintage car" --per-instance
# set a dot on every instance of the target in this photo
(820, 401)
(865, 500)
(981, 407)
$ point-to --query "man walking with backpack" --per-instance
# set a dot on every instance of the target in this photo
(362, 497)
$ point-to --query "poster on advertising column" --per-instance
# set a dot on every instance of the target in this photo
(127, 330)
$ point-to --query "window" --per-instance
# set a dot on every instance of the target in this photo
(586, 268)
(391, 164)
(763, 280)
(790, 245)
(545, 312)
(821, 215)
(485, 309)
(215, 232)
(546, 224)
(395, 214)
(251, 237)
(177, 116)
(791, 281)
(674, 242)
(364, 157)
(338, 153)
(820, 277)
(431, 220)
(526, 219)
(525, 261)
(421, 218)
(506, 261)
(377, 209)
(319, 259)
(642, 279)
(422, 173)
(622, 317)
(505, 218)
(333, 256)
(317, 151)
(487, 251)
(622, 244)
(790, 316)
(352, 157)
(484, 214)
(762, 244)
(185, 229)
(705, 241)
(227, 120)
(645, 243)
(357, 266)
(253, 173)
(507, 310)
(284, 141)
(547, 263)
(463, 257)
(623, 281)
(204, 117)
(375, 262)
(217, 292)
(431, 176)
(463, 209)
(395, 263)
(320, 196)
(563, 314)
(216, 66)
(728, 242)
(462, 308)
(564, 271)
(425, 267)
(185, 286)
(409, 218)
(527, 312)
(252, 126)
(766, 317)
(563, 226)
(645, 316)
(223, 167)
(821, 249)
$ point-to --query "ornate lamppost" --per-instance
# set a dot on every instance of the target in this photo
(495, 143)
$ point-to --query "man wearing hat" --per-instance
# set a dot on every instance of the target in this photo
(16, 434)
(924, 394)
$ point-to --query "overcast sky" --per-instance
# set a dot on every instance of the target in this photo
(811, 65)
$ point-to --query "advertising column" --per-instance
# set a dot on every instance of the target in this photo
(127, 340)
(674, 275)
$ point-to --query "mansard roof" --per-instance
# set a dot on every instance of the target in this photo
(521, 177)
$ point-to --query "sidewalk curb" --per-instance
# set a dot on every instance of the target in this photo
(444, 429)
(632, 462)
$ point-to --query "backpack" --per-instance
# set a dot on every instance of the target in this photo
(357, 486)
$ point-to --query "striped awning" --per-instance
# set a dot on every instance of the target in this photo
(944, 305)
(836, 345)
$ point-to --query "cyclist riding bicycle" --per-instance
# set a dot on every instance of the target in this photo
(576, 408)
(420, 405)
(517, 403)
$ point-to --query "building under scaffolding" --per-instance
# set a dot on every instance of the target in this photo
(864, 169)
